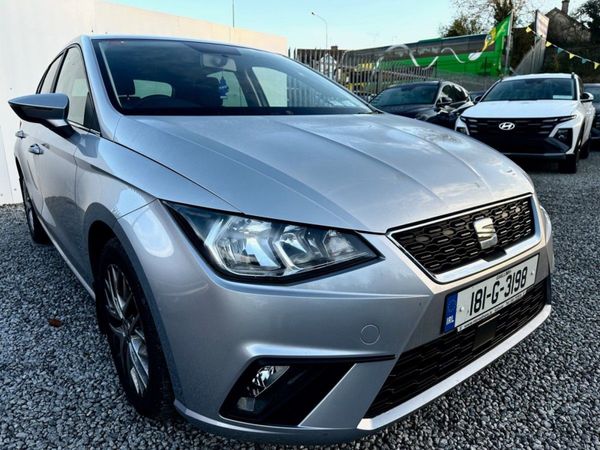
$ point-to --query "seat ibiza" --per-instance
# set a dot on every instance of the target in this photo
(268, 254)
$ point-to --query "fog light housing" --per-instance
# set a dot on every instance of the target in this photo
(462, 130)
(281, 392)
(565, 135)
(264, 378)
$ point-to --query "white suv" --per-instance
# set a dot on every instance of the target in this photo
(534, 116)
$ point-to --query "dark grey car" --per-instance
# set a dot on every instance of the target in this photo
(438, 102)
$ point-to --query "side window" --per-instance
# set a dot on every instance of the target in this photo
(286, 90)
(274, 85)
(456, 94)
(462, 94)
(72, 82)
(229, 88)
(145, 88)
(448, 91)
(48, 80)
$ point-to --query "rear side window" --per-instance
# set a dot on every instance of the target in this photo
(72, 81)
(48, 81)
(146, 88)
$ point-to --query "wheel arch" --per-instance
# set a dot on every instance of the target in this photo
(101, 225)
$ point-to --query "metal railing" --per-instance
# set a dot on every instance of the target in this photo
(367, 74)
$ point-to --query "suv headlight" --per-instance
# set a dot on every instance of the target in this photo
(259, 249)
(461, 126)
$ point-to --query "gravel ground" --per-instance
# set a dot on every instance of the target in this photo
(58, 387)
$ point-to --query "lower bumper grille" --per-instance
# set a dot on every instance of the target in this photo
(423, 367)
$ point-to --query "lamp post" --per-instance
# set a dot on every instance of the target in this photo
(326, 29)
(233, 13)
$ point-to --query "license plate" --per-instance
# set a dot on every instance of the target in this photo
(475, 303)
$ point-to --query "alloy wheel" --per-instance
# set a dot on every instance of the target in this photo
(125, 325)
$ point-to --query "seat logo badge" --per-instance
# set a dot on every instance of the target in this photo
(486, 233)
(507, 126)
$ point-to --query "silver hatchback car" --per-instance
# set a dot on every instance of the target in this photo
(268, 254)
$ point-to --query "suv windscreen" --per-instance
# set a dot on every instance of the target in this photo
(409, 94)
(532, 89)
(170, 77)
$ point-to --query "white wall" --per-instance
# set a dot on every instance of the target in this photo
(32, 32)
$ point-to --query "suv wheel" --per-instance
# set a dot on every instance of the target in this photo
(37, 232)
(569, 165)
(124, 315)
(585, 150)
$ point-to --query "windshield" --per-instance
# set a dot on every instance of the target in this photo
(595, 91)
(164, 77)
(532, 89)
(409, 94)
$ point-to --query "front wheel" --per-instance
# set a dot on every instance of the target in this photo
(569, 165)
(36, 231)
(586, 148)
(134, 343)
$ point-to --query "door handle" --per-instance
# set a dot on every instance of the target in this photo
(35, 149)
(20, 134)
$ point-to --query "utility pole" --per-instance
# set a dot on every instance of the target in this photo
(326, 29)
(233, 13)
(509, 43)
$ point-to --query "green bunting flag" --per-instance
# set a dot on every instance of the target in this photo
(560, 50)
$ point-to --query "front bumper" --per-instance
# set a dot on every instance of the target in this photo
(213, 329)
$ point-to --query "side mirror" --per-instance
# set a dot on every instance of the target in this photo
(477, 99)
(49, 110)
(587, 97)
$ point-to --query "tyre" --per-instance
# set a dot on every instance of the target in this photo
(131, 334)
(569, 165)
(586, 148)
(36, 231)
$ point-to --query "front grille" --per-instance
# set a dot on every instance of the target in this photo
(523, 127)
(528, 136)
(450, 243)
(423, 367)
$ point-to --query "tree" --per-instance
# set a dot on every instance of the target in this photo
(487, 13)
(589, 14)
(462, 25)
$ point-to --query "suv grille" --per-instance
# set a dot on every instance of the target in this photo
(423, 367)
(528, 136)
(447, 244)
(529, 127)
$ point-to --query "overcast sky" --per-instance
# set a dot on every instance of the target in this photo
(352, 23)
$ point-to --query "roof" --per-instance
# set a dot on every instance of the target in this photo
(539, 75)
(414, 83)
(95, 37)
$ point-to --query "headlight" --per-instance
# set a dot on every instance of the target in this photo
(260, 249)
(460, 126)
